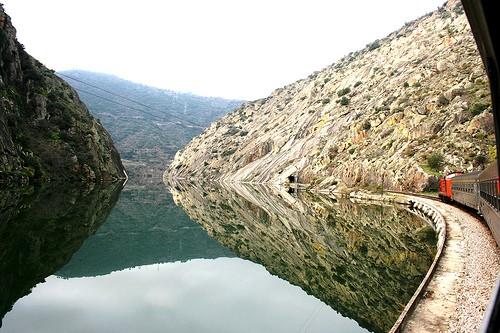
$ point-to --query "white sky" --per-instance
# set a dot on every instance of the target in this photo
(228, 48)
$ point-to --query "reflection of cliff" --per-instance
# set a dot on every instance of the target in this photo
(41, 229)
(145, 227)
(365, 261)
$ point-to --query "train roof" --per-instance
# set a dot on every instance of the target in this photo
(468, 176)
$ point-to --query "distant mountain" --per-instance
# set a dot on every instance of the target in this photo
(148, 135)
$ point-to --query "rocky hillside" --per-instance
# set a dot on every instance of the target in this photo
(46, 132)
(405, 108)
(148, 140)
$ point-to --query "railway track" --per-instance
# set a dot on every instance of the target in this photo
(426, 196)
(458, 205)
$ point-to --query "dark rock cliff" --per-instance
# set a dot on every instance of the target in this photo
(46, 132)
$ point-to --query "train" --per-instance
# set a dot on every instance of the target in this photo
(479, 191)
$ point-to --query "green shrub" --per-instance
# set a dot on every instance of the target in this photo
(389, 146)
(374, 45)
(332, 152)
(406, 84)
(357, 84)
(442, 101)
(492, 153)
(228, 152)
(343, 92)
(481, 160)
(477, 108)
(445, 14)
(458, 9)
(54, 135)
(435, 161)
(232, 131)
(367, 125)
(344, 101)
(325, 101)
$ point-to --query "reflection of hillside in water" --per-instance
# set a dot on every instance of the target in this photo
(42, 228)
(364, 260)
(145, 227)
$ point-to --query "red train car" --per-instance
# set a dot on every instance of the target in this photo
(445, 186)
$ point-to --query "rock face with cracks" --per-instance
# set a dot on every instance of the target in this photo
(376, 116)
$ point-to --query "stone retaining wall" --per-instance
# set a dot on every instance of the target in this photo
(437, 221)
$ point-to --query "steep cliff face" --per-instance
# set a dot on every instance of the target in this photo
(400, 111)
(46, 132)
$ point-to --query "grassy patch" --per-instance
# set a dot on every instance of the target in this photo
(429, 170)
(477, 108)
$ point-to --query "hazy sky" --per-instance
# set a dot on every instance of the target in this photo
(228, 48)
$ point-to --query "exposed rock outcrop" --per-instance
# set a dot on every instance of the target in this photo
(374, 116)
(46, 132)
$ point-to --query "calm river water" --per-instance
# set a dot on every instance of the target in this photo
(204, 259)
